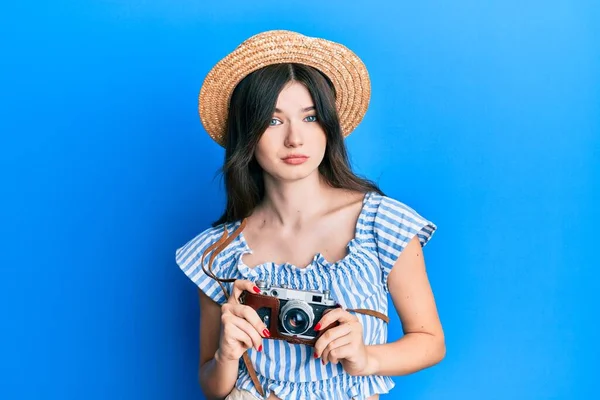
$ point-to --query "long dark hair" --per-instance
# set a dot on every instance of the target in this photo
(251, 108)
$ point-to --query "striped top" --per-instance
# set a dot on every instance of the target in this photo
(359, 280)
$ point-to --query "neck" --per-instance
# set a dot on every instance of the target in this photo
(290, 204)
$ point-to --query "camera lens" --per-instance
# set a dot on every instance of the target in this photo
(296, 321)
(296, 317)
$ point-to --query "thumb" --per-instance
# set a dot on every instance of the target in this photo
(241, 285)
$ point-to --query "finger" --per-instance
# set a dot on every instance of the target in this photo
(239, 286)
(329, 336)
(249, 331)
(330, 317)
(341, 352)
(249, 314)
(331, 353)
(229, 320)
(234, 336)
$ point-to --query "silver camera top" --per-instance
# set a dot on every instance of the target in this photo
(285, 293)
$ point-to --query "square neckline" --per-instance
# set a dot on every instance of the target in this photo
(317, 257)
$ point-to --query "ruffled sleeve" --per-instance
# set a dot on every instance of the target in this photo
(189, 258)
(394, 226)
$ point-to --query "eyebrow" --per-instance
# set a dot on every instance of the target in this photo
(303, 110)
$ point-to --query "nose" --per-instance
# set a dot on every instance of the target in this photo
(294, 135)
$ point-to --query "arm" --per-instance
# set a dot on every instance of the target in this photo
(216, 378)
(226, 332)
(423, 342)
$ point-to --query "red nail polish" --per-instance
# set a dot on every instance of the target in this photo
(260, 348)
(266, 333)
(318, 326)
(316, 356)
(322, 361)
(256, 289)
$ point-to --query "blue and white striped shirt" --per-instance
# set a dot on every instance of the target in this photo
(359, 280)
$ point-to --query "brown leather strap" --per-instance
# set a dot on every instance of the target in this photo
(372, 313)
(219, 246)
(209, 270)
(252, 373)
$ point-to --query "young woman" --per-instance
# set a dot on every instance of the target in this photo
(297, 217)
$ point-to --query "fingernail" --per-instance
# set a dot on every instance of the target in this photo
(322, 361)
(316, 355)
(256, 289)
(318, 326)
(266, 333)
(260, 348)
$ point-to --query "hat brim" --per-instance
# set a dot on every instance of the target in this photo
(344, 68)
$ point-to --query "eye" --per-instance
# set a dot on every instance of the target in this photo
(273, 122)
(313, 118)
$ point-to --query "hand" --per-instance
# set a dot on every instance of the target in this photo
(241, 327)
(344, 343)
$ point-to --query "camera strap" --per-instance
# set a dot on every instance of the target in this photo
(224, 241)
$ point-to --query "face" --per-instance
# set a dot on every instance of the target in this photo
(293, 145)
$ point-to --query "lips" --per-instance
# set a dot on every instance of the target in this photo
(295, 156)
(295, 159)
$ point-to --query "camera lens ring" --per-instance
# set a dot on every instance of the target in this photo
(296, 312)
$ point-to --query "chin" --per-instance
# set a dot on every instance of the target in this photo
(296, 173)
(295, 176)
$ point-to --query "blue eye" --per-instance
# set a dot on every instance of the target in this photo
(271, 122)
(312, 116)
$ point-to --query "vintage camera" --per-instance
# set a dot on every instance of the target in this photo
(294, 313)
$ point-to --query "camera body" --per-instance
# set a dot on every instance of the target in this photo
(294, 313)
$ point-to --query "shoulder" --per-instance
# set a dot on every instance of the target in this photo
(395, 218)
(194, 261)
(389, 208)
(196, 246)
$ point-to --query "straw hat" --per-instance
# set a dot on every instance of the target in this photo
(345, 70)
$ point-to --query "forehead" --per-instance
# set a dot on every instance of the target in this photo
(294, 95)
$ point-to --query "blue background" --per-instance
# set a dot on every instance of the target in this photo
(484, 116)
